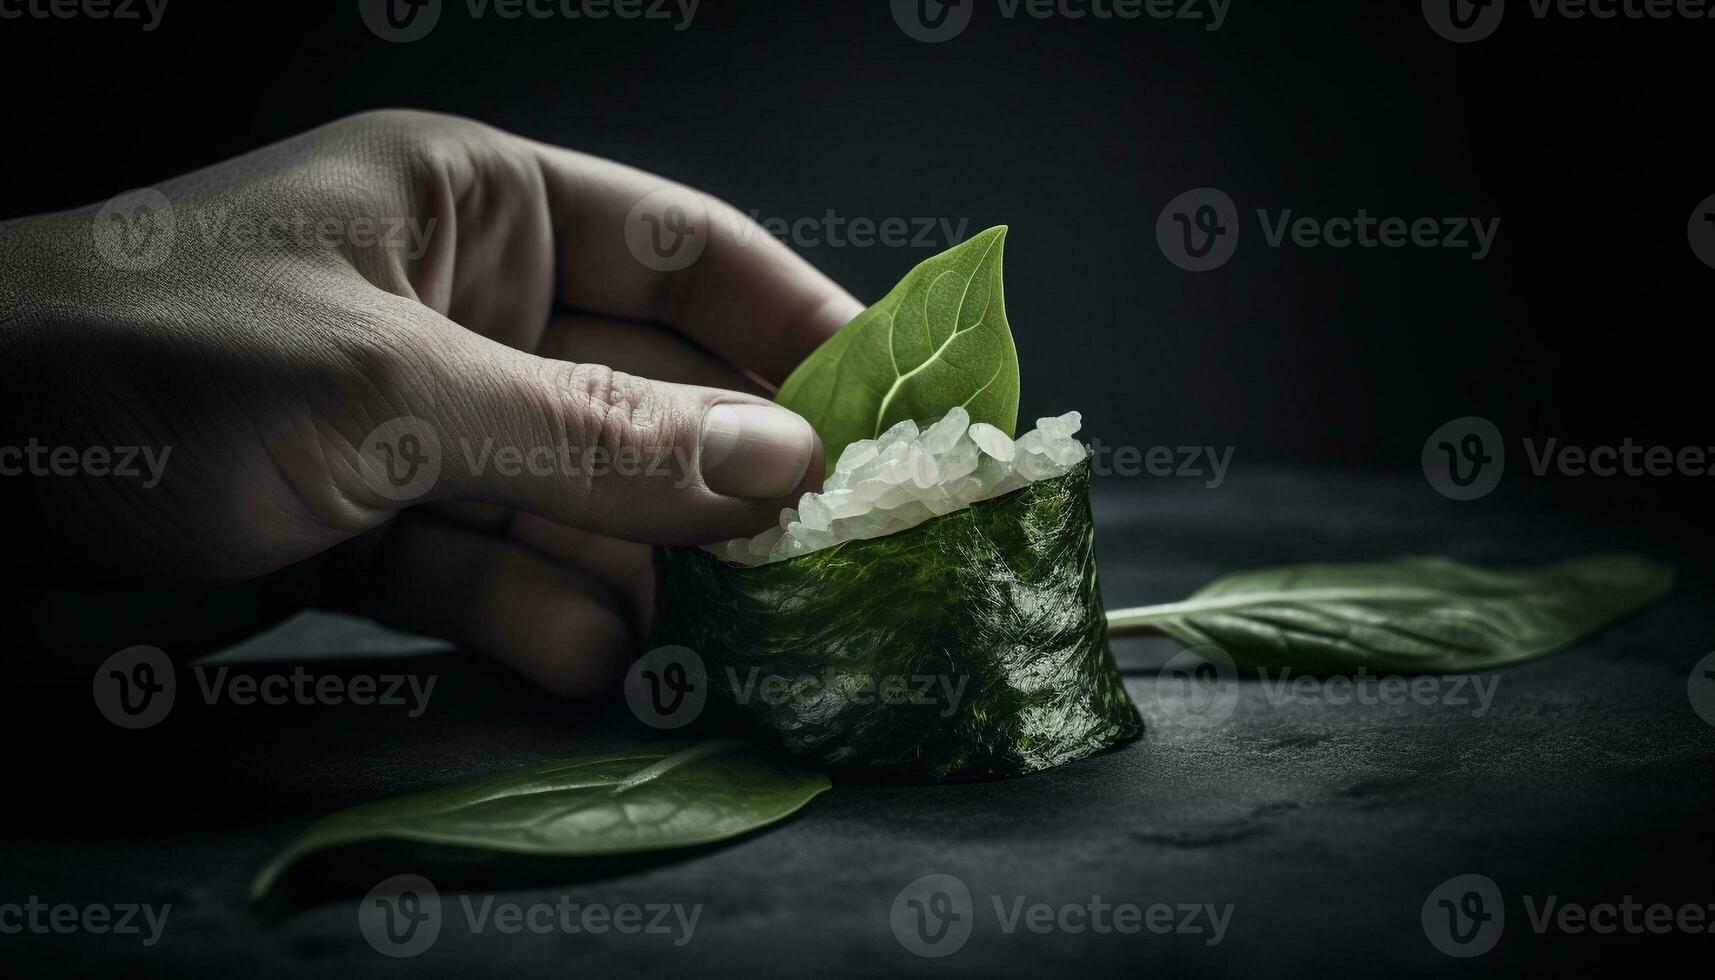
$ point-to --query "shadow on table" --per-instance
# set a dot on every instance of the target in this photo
(232, 763)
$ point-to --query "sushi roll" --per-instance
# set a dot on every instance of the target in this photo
(933, 612)
(945, 628)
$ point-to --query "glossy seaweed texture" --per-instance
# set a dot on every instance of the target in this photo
(971, 646)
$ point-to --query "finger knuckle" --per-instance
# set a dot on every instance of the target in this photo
(615, 415)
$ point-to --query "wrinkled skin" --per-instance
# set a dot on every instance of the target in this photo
(523, 318)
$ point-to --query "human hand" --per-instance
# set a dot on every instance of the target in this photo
(295, 337)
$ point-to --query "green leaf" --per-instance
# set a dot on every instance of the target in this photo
(1407, 616)
(652, 798)
(939, 340)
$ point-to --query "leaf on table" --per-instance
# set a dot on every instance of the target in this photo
(937, 341)
(1421, 615)
(651, 798)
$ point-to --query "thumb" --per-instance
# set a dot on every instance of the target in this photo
(614, 453)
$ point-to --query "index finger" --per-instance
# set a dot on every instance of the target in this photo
(634, 245)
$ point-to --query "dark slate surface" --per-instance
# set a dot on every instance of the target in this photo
(1324, 826)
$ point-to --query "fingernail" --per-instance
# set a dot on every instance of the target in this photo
(755, 450)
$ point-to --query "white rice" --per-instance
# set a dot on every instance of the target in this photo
(882, 486)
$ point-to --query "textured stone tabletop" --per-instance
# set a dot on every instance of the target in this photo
(1312, 832)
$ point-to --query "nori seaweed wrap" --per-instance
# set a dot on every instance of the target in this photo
(973, 645)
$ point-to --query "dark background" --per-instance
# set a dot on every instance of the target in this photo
(1325, 370)
(1578, 135)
